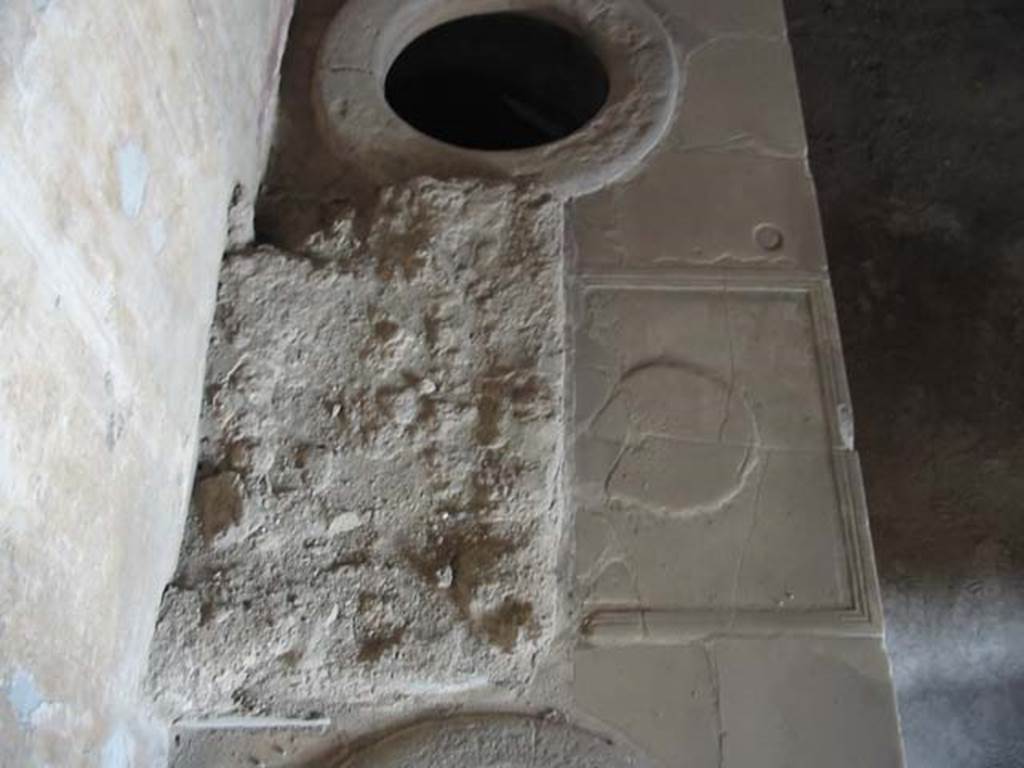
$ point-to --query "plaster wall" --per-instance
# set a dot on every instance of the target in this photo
(127, 132)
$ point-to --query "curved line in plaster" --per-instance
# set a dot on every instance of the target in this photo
(747, 468)
(505, 739)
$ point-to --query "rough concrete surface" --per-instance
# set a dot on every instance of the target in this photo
(914, 115)
(378, 510)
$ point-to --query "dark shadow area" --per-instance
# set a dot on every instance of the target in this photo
(497, 81)
(914, 114)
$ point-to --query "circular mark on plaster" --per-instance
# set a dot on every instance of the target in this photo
(368, 37)
(768, 237)
(676, 413)
(495, 741)
(497, 81)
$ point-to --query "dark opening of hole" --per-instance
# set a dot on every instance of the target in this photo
(497, 81)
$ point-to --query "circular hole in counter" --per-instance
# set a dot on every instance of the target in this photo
(497, 81)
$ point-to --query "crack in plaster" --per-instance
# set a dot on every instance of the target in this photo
(724, 257)
(739, 142)
(727, 403)
(742, 142)
(614, 553)
(716, 691)
(741, 559)
(351, 68)
(634, 438)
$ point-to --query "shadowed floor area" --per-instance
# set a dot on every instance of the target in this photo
(914, 114)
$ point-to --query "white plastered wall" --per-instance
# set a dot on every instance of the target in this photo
(125, 130)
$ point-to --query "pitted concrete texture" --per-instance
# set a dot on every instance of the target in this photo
(377, 511)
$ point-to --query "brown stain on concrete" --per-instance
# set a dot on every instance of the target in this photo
(431, 328)
(218, 501)
(506, 389)
(475, 553)
(489, 409)
(502, 625)
(375, 644)
(384, 330)
(402, 255)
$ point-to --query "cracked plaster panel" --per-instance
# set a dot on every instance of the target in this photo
(807, 702)
(738, 703)
(663, 699)
(741, 94)
(733, 162)
(712, 364)
(706, 464)
(702, 208)
(777, 545)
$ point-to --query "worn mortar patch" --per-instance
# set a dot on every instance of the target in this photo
(377, 511)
